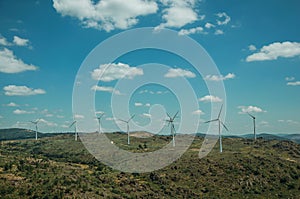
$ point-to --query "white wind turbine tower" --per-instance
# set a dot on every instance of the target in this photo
(254, 130)
(127, 125)
(36, 127)
(220, 123)
(75, 129)
(99, 121)
(170, 122)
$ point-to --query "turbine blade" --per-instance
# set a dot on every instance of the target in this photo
(220, 112)
(72, 124)
(224, 126)
(131, 117)
(211, 121)
(168, 115)
(122, 120)
(175, 115)
(250, 115)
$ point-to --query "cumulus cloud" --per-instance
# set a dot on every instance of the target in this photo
(3, 41)
(288, 121)
(178, 13)
(198, 112)
(209, 25)
(275, 50)
(178, 72)
(191, 31)
(219, 77)
(48, 123)
(250, 109)
(146, 115)
(78, 116)
(289, 78)
(297, 83)
(210, 98)
(147, 104)
(138, 104)
(21, 112)
(13, 90)
(219, 32)
(106, 14)
(20, 42)
(110, 72)
(106, 89)
(9, 63)
(12, 104)
(252, 47)
(223, 18)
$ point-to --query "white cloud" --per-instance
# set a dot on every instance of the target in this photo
(48, 123)
(12, 104)
(209, 25)
(223, 18)
(264, 123)
(9, 63)
(64, 126)
(219, 77)
(288, 121)
(106, 14)
(20, 42)
(275, 50)
(147, 104)
(297, 83)
(219, 32)
(289, 78)
(146, 115)
(13, 90)
(251, 47)
(110, 72)
(143, 91)
(78, 116)
(178, 72)
(250, 109)
(20, 112)
(210, 98)
(191, 31)
(138, 104)
(3, 41)
(198, 112)
(178, 13)
(106, 89)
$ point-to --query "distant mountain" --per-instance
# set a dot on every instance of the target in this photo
(292, 137)
(18, 134)
(269, 136)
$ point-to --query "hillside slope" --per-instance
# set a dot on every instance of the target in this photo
(59, 167)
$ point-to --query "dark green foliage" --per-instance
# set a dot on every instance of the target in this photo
(59, 167)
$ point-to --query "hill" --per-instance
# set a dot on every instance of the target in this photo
(59, 167)
(268, 136)
(18, 134)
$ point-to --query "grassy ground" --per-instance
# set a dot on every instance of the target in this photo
(59, 167)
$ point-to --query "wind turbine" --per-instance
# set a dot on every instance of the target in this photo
(220, 123)
(170, 121)
(74, 124)
(36, 127)
(253, 117)
(127, 123)
(99, 121)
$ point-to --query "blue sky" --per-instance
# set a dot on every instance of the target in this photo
(255, 45)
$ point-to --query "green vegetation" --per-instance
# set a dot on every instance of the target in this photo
(59, 167)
